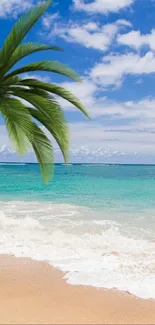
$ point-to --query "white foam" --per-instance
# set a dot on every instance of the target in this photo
(92, 251)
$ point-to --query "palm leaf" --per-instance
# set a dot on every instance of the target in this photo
(12, 116)
(57, 127)
(18, 118)
(12, 81)
(20, 29)
(44, 152)
(29, 92)
(26, 49)
(57, 90)
(48, 113)
(51, 66)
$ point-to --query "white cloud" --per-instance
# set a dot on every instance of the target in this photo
(48, 20)
(95, 142)
(102, 6)
(85, 91)
(139, 81)
(113, 68)
(140, 112)
(14, 7)
(117, 129)
(137, 40)
(95, 136)
(124, 22)
(90, 35)
(138, 115)
(36, 76)
(85, 153)
(125, 130)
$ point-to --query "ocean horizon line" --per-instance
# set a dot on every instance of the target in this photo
(77, 163)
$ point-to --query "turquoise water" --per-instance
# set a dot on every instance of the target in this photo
(101, 186)
(116, 189)
(95, 222)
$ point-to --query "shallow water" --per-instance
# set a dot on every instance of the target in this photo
(95, 222)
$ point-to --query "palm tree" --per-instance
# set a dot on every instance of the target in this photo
(23, 102)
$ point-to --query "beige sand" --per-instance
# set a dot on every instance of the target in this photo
(35, 293)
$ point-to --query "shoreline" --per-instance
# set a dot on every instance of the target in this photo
(35, 292)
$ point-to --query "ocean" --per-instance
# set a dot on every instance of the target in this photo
(95, 222)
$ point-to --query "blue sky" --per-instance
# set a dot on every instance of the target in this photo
(111, 44)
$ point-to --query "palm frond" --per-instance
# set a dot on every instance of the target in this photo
(38, 99)
(29, 92)
(26, 49)
(18, 121)
(14, 115)
(48, 113)
(57, 90)
(20, 29)
(58, 128)
(51, 66)
(43, 151)
(22, 120)
(11, 81)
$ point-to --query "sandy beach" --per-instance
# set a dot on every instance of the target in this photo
(35, 293)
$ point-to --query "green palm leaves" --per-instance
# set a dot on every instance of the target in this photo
(25, 102)
(20, 29)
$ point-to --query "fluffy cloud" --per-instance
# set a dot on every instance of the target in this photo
(85, 91)
(97, 136)
(138, 115)
(102, 7)
(117, 129)
(44, 78)
(90, 35)
(118, 132)
(14, 7)
(137, 40)
(113, 68)
(49, 19)
(96, 142)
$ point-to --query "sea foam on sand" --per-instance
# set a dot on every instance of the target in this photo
(92, 251)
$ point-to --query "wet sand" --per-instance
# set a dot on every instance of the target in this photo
(35, 293)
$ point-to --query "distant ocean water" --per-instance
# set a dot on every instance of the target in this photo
(95, 222)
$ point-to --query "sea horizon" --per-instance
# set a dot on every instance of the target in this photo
(79, 163)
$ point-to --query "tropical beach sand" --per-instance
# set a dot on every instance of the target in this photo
(33, 292)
